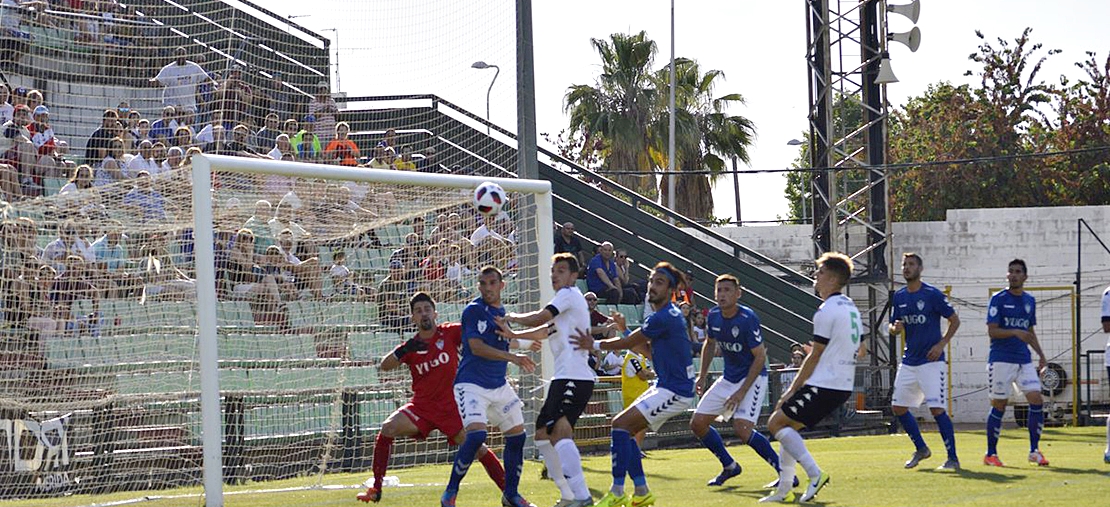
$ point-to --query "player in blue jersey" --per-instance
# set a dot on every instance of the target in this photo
(665, 331)
(482, 393)
(739, 393)
(1011, 317)
(1106, 329)
(916, 311)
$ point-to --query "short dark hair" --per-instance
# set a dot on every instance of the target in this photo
(491, 269)
(838, 263)
(1020, 263)
(339, 254)
(569, 258)
(421, 296)
(914, 256)
(677, 277)
(727, 277)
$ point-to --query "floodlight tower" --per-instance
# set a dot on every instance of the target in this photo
(849, 68)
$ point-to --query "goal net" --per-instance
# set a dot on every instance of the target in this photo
(306, 270)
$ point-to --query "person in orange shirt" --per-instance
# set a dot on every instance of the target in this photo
(342, 148)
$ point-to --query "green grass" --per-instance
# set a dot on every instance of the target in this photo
(866, 471)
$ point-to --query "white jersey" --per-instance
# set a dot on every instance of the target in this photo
(571, 313)
(1106, 317)
(180, 82)
(838, 322)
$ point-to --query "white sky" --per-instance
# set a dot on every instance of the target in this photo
(427, 46)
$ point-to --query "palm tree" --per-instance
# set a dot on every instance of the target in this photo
(626, 114)
(618, 108)
(706, 135)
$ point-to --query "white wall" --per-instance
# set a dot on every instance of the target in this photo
(970, 251)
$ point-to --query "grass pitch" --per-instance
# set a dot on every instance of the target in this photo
(866, 471)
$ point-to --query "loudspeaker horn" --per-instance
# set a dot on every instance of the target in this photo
(911, 39)
(886, 75)
(911, 10)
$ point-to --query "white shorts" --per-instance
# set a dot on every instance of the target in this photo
(1002, 376)
(923, 383)
(499, 407)
(713, 401)
(659, 405)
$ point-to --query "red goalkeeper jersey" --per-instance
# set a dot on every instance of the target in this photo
(433, 370)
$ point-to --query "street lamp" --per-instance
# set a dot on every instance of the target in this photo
(483, 65)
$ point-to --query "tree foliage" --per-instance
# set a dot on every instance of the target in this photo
(1001, 122)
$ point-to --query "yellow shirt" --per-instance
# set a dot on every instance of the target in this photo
(633, 386)
(401, 165)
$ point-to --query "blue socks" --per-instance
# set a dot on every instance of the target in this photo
(947, 434)
(465, 457)
(636, 464)
(712, 441)
(1036, 425)
(618, 451)
(762, 447)
(514, 462)
(909, 423)
(994, 428)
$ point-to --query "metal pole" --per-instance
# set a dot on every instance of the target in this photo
(496, 72)
(670, 138)
(736, 187)
(211, 426)
(527, 163)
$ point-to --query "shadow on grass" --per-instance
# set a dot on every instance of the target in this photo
(978, 475)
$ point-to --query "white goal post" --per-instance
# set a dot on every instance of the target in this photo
(203, 168)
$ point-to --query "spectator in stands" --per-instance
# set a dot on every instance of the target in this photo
(42, 137)
(698, 328)
(109, 170)
(567, 242)
(183, 137)
(233, 96)
(259, 221)
(163, 128)
(146, 202)
(158, 159)
(19, 96)
(282, 146)
(309, 279)
(601, 275)
(305, 144)
(266, 136)
(281, 101)
(290, 127)
(97, 147)
(217, 145)
(69, 242)
(601, 325)
(72, 285)
(383, 157)
(161, 278)
(428, 164)
(111, 261)
(390, 139)
(81, 179)
(405, 163)
(238, 143)
(392, 297)
(633, 292)
(186, 117)
(142, 161)
(6, 109)
(342, 149)
(324, 108)
(180, 79)
(205, 135)
(341, 279)
(174, 157)
(34, 99)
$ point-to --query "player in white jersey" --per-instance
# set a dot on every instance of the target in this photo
(824, 382)
(572, 383)
(1106, 329)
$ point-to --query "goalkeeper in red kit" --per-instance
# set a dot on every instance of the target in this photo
(433, 358)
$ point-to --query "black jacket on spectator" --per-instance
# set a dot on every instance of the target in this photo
(99, 140)
(563, 246)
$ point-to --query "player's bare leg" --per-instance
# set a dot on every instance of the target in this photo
(396, 426)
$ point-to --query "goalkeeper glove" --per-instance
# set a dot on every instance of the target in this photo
(413, 345)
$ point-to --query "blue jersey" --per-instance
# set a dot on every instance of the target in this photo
(736, 337)
(477, 322)
(670, 350)
(920, 313)
(1011, 312)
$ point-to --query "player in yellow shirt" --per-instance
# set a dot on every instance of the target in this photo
(636, 375)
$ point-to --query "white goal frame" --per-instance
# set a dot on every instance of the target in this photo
(203, 237)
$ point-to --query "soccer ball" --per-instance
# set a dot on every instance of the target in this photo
(489, 197)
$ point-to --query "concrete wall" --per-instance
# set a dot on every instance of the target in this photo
(969, 251)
